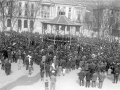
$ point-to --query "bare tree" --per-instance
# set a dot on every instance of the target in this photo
(88, 20)
(8, 10)
(13, 10)
(114, 18)
(3, 9)
(98, 15)
(32, 12)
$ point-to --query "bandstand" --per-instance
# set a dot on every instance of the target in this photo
(60, 29)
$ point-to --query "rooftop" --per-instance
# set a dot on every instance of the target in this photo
(67, 2)
(62, 20)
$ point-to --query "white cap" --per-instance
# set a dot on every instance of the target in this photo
(53, 71)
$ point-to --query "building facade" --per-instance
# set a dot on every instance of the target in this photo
(28, 14)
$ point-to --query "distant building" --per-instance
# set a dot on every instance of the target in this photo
(26, 15)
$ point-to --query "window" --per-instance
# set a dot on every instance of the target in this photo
(8, 3)
(19, 23)
(45, 14)
(32, 13)
(25, 24)
(19, 12)
(45, 11)
(9, 23)
(58, 8)
(32, 6)
(69, 9)
(78, 17)
(31, 24)
(25, 12)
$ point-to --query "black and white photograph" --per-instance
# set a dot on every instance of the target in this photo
(59, 44)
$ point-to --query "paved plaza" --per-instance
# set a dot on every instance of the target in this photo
(20, 80)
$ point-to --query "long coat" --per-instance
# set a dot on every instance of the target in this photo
(101, 76)
(88, 76)
(81, 75)
(94, 77)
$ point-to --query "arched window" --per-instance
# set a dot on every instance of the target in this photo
(9, 23)
(31, 24)
(19, 23)
(25, 24)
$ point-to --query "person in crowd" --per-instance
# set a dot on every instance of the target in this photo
(27, 62)
(116, 75)
(94, 79)
(5, 53)
(101, 78)
(14, 57)
(59, 70)
(42, 75)
(2, 63)
(47, 69)
(52, 82)
(30, 64)
(109, 72)
(88, 79)
(46, 85)
(63, 72)
(81, 75)
(19, 62)
(7, 67)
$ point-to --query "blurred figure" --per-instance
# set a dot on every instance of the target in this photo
(2, 63)
(19, 62)
(101, 77)
(109, 72)
(52, 82)
(59, 70)
(64, 70)
(46, 85)
(30, 64)
(116, 75)
(47, 69)
(42, 75)
(94, 79)
(7, 67)
(88, 78)
(81, 75)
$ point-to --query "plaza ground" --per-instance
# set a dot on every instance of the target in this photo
(21, 80)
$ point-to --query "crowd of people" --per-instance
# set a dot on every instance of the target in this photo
(93, 61)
